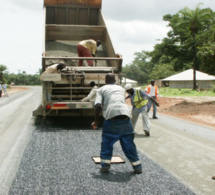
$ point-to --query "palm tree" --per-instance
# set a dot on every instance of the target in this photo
(194, 20)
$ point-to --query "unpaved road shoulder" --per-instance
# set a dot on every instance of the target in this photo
(200, 110)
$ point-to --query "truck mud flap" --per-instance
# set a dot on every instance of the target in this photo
(38, 111)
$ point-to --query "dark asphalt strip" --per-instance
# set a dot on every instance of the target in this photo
(57, 160)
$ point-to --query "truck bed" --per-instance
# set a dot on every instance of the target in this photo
(66, 23)
(64, 48)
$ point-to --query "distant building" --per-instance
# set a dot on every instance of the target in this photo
(185, 80)
(126, 81)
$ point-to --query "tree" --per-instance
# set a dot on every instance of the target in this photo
(194, 20)
(162, 71)
(140, 67)
(2, 69)
(206, 50)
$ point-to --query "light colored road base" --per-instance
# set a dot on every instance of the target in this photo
(188, 157)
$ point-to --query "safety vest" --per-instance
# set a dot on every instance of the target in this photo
(138, 100)
(156, 90)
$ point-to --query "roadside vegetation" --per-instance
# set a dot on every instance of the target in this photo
(170, 92)
(19, 79)
(190, 43)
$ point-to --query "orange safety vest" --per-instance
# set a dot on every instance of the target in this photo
(156, 90)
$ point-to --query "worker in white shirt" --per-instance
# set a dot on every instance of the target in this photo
(117, 125)
(152, 90)
(87, 48)
(92, 94)
(53, 69)
(4, 87)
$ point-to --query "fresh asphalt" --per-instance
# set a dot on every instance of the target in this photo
(58, 160)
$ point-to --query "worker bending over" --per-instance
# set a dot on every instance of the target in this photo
(92, 94)
(87, 48)
(53, 69)
(139, 100)
(117, 125)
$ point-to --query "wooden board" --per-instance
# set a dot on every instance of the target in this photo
(114, 160)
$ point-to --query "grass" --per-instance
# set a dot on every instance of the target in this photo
(170, 92)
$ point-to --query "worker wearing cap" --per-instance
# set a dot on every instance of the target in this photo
(87, 48)
(152, 90)
(117, 125)
(139, 100)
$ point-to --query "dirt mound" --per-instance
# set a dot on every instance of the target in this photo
(16, 89)
(201, 111)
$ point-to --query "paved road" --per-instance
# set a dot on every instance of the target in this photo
(55, 158)
(184, 149)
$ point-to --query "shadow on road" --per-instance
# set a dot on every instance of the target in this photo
(114, 176)
(65, 123)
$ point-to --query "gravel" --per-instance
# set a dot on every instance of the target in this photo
(58, 160)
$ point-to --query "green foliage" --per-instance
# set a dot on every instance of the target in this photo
(186, 91)
(162, 71)
(190, 42)
(2, 69)
(139, 69)
(206, 50)
(194, 31)
(171, 92)
(22, 79)
(19, 79)
(213, 88)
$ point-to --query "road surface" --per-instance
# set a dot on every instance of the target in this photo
(55, 158)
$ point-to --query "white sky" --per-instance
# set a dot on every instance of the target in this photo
(133, 25)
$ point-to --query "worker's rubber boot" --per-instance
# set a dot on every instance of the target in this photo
(147, 133)
(104, 170)
(138, 169)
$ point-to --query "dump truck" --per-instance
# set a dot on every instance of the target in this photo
(67, 22)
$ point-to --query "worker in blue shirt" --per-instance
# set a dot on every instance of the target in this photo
(139, 100)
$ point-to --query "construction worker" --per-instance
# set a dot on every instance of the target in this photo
(53, 69)
(139, 100)
(0, 88)
(117, 125)
(87, 48)
(152, 90)
(92, 94)
(4, 87)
